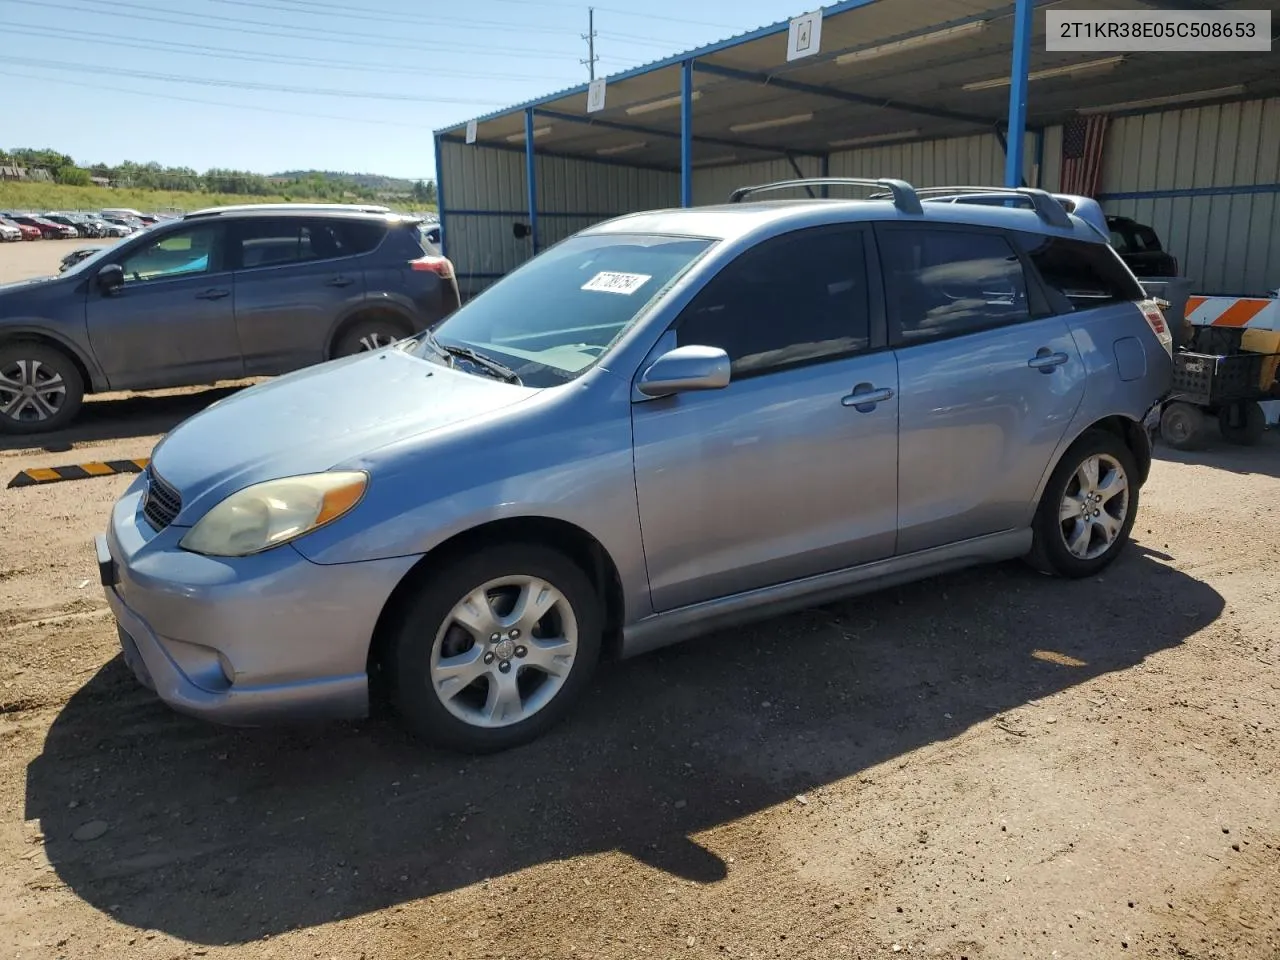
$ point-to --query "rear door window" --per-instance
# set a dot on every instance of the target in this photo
(942, 282)
(1080, 275)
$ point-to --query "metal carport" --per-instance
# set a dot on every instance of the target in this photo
(933, 91)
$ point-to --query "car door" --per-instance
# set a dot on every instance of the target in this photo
(295, 277)
(989, 380)
(783, 473)
(171, 323)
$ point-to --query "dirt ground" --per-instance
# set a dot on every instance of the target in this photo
(987, 765)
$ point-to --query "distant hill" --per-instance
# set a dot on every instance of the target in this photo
(366, 181)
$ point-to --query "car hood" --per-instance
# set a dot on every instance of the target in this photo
(313, 419)
(15, 296)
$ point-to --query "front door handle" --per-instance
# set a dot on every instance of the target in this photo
(865, 396)
(1046, 360)
(213, 294)
(339, 281)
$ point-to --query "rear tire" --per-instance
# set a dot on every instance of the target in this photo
(468, 672)
(1242, 422)
(372, 333)
(41, 388)
(1184, 426)
(1087, 509)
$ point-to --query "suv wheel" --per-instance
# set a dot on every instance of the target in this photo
(363, 336)
(1087, 509)
(495, 648)
(40, 388)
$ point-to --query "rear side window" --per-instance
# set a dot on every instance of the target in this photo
(1079, 275)
(795, 299)
(945, 283)
(273, 243)
(357, 236)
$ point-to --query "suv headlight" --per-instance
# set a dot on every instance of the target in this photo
(269, 514)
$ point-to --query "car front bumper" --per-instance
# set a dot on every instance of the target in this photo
(244, 641)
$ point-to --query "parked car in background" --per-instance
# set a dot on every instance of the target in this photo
(124, 212)
(10, 232)
(1140, 248)
(75, 256)
(48, 229)
(113, 230)
(26, 231)
(218, 295)
(128, 225)
(669, 423)
(82, 228)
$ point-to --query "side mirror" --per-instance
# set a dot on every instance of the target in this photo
(110, 278)
(520, 230)
(685, 369)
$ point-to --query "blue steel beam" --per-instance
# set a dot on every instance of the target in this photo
(590, 121)
(782, 83)
(531, 175)
(686, 134)
(444, 252)
(1023, 21)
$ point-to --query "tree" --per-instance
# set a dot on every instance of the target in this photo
(72, 176)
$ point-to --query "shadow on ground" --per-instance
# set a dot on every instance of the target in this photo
(221, 836)
(121, 417)
(1263, 459)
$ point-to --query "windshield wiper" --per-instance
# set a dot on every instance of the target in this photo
(501, 370)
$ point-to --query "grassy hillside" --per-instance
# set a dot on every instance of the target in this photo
(54, 196)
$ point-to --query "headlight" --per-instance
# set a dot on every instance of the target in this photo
(268, 514)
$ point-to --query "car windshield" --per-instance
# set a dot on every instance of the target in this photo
(561, 312)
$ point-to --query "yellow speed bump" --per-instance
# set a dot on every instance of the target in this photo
(77, 471)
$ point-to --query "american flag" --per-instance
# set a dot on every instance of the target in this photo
(1082, 140)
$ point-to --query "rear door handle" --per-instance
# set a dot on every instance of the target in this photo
(339, 281)
(213, 294)
(865, 396)
(1046, 360)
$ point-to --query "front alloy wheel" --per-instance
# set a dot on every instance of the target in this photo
(40, 388)
(504, 651)
(488, 649)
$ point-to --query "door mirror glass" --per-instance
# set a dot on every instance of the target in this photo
(110, 278)
(684, 369)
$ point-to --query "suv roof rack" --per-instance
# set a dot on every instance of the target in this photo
(904, 195)
(287, 207)
(1047, 207)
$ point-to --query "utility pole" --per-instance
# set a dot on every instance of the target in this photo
(590, 37)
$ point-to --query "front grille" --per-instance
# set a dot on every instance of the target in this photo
(161, 503)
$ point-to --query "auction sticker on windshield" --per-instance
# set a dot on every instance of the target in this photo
(624, 283)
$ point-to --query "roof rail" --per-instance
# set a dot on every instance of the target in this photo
(1046, 206)
(904, 195)
(288, 207)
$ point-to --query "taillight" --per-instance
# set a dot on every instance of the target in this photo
(1156, 321)
(440, 266)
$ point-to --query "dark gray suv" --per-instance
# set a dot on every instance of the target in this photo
(218, 295)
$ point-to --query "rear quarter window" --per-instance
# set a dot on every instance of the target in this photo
(359, 236)
(1080, 275)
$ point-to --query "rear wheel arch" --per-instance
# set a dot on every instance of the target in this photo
(575, 543)
(387, 313)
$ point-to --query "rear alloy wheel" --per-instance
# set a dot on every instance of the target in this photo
(1088, 508)
(1242, 422)
(365, 336)
(40, 388)
(1184, 426)
(495, 648)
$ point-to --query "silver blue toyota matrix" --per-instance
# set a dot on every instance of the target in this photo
(668, 423)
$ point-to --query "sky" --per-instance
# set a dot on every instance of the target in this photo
(274, 85)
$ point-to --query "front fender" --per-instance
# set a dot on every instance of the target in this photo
(33, 328)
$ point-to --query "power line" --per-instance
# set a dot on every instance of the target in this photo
(238, 25)
(227, 53)
(248, 84)
(214, 103)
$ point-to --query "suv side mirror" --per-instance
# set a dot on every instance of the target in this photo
(110, 278)
(685, 369)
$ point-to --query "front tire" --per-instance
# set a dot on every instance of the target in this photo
(495, 647)
(1088, 507)
(40, 388)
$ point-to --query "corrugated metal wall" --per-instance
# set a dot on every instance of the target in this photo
(1173, 170)
(485, 193)
(714, 184)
